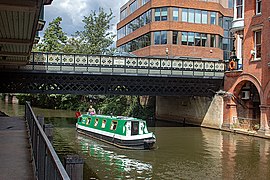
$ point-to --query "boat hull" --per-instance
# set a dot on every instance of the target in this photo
(138, 144)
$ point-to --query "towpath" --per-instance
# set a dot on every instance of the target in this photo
(15, 159)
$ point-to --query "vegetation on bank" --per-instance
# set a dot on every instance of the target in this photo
(136, 106)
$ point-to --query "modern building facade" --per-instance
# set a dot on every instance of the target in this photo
(249, 84)
(176, 28)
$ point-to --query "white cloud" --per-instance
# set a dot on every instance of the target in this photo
(72, 12)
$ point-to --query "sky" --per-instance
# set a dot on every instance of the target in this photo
(72, 12)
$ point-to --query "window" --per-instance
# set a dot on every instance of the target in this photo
(239, 8)
(191, 38)
(258, 6)
(204, 39)
(163, 37)
(184, 38)
(175, 37)
(160, 37)
(123, 14)
(230, 3)
(197, 39)
(191, 16)
(113, 125)
(133, 7)
(204, 17)
(184, 15)
(213, 41)
(213, 18)
(164, 14)
(103, 124)
(258, 45)
(96, 122)
(157, 14)
(157, 37)
(144, 2)
(88, 121)
(198, 16)
(175, 14)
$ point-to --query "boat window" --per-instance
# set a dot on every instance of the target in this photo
(103, 123)
(88, 121)
(134, 128)
(80, 119)
(96, 122)
(114, 125)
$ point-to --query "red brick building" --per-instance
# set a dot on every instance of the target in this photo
(249, 84)
(176, 28)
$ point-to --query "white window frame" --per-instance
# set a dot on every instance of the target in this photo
(235, 9)
(257, 6)
(255, 44)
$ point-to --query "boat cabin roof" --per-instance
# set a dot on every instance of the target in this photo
(124, 118)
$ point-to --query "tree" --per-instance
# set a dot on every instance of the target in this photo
(96, 37)
(54, 38)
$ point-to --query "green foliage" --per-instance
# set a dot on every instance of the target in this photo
(95, 38)
(54, 39)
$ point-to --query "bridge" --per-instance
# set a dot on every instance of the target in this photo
(61, 73)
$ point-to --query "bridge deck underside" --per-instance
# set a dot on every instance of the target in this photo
(61, 83)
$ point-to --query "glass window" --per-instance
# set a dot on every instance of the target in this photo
(191, 38)
(133, 7)
(96, 122)
(184, 38)
(103, 123)
(123, 14)
(191, 15)
(148, 16)
(113, 125)
(144, 1)
(239, 8)
(204, 17)
(157, 14)
(213, 18)
(258, 44)
(204, 39)
(230, 3)
(258, 6)
(220, 38)
(197, 39)
(175, 14)
(157, 37)
(220, 20)
(213, 40)
(163, 37)
(184, 15)
(198, 16)
(175, 37)
(164, 14)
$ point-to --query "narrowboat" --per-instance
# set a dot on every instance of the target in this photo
(120, 131)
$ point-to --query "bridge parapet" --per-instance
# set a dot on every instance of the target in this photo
(80, 63)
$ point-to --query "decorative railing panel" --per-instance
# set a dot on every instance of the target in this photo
(79, 63)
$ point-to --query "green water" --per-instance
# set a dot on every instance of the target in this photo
(182, 152)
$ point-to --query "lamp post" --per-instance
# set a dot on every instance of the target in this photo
(167, 52)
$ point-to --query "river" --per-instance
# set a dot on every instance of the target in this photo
(181, 153)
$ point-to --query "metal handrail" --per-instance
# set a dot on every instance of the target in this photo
(82, 63)
(47, 164)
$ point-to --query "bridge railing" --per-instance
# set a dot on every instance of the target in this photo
(45, 160)
(123, 65)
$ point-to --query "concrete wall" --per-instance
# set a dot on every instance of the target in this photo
(203, 111)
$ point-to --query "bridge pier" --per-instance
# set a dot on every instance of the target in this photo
(202, 111)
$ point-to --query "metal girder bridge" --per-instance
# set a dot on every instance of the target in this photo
(51, 73)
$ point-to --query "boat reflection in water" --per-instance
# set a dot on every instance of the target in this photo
(110, 164)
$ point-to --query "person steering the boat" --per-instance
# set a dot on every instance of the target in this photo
(91, 110)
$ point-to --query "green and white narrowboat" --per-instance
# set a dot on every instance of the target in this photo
(123, 132)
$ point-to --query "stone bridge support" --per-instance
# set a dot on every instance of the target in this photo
(202, 111)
